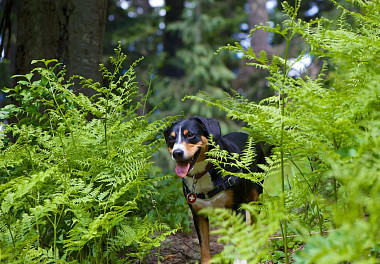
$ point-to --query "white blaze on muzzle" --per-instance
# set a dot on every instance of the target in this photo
(181, 169)
(179, 146)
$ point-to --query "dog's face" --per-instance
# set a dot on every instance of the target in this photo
(187, 142)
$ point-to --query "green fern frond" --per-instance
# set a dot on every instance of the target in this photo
(320, 176)
(69, 183)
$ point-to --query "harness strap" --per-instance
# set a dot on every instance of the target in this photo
(231, 181)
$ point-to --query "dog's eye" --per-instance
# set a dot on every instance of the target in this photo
(171, 138)
(190, 135)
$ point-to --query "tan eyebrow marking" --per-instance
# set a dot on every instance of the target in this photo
(185, 132)
(173, 134)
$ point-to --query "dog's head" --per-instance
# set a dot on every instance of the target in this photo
(187, 141)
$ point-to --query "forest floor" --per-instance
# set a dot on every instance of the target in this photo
(182, 248)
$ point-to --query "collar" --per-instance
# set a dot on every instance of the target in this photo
(199, 175)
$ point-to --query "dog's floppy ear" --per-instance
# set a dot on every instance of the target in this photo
(211, 126)
(167, 131)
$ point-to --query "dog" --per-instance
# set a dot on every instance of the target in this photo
(203, 185)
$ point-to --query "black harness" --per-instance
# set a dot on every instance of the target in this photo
(228, 183)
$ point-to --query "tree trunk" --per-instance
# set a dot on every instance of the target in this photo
(39, 32)
(70, 31)
(172, 39)
(259, 15)
(85, 39)
(249, 79)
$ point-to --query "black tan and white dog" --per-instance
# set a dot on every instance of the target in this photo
(203, 186)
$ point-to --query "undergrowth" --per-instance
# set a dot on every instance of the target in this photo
(74, 185)
(321, 190)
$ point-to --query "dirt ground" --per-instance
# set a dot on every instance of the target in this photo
(183, 248)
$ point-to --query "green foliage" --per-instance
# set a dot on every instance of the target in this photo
(74, 188)
(204, 26)
(326, 136)
(167, 204)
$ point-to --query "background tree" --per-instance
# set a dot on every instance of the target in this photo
(176, 38)
(179, 39)
(251, 80)
(172, 39)
(70, 31)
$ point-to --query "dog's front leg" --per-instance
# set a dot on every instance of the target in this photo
(204, 240)
(202, 227)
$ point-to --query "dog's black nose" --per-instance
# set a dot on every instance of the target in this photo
(178, 154)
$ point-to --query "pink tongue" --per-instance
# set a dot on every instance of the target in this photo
(182, 170)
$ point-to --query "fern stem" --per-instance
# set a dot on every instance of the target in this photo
(146, 97)
(319, 216)
(106, 119)
(335, 192)
(284, 229)
(336, 146)
(8, 226)
(58, 107)
(320, 220)
(7, 216)
(283, 225)
(105, 131)
(160, 231)
(302, 174)
(55, 237)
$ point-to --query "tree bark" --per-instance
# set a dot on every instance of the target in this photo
(70, 31)
(249, 79)
(38, 32)
(85, 39)
(172, 39)
(259, 15)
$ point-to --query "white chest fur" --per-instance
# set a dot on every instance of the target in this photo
(202, 185)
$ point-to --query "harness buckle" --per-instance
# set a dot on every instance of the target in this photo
(233, 181)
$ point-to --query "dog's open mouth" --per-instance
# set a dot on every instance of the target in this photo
(184, 167)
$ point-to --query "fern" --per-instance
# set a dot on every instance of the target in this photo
(321, 185)
(71, 187)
